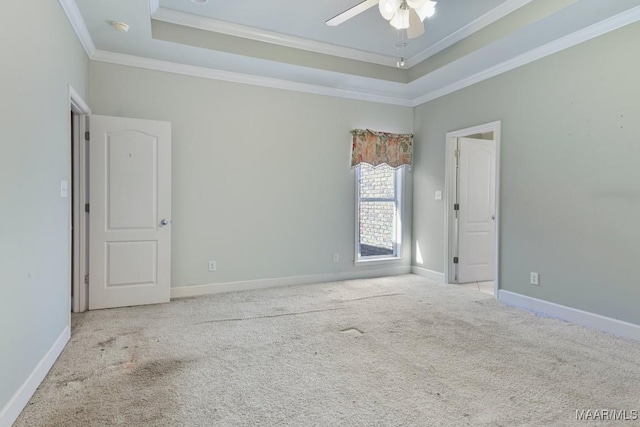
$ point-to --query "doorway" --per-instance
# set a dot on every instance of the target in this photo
(471, 213)
(127, 243)
(78, 219)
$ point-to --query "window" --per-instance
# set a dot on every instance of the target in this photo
(378, 212)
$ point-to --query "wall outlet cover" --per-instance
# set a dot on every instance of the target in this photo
(535, 279)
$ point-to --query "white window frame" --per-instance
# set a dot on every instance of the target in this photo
(381, 259)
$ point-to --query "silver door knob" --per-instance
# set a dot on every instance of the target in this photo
(164, 222)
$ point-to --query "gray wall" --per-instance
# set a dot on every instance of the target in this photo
(570, 198)
(261, 177)
(41, 55)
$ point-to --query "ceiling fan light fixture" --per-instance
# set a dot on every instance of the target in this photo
(427, 10)
(388, 8)
(401, 20)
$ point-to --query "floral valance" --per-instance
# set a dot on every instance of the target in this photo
(376, 148)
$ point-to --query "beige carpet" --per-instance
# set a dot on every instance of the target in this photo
(384, 352)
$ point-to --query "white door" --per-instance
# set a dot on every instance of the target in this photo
(476, 198)
(130, 212)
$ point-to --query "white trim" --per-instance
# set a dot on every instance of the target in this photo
(217, 288)
(80, 111)
(605, 26)
(382, 260)
(484, 128)
(434, 276)
(77, 22)
(78, 105)
(75, 221)
(230, 76)
(570, 314)
(16, 404)
(474, 26)
(251, 33)
(449, 195)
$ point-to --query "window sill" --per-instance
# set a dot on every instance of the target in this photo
(377, 261)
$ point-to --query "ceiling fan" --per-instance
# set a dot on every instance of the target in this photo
(401, 14)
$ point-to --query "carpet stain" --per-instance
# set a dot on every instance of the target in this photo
(146, 374)
(106, 343)
(74, 379)
(130, 364)
(143, 399)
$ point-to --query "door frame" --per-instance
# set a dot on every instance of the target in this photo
(78, 252)
(450, 183)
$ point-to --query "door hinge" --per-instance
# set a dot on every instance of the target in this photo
(86, 135)
(455, 259)
(86, 279)
(456, 207)
(86, 207)
(457, 153)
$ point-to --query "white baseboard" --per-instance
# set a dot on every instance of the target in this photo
(217, 288)
(573, 315)
(14, 407)
(428, 274)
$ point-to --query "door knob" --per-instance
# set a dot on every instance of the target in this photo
(164, 222)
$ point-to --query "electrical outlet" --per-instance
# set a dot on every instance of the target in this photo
(212, 266)
(336, 257)
(535, 279)
(438, 195)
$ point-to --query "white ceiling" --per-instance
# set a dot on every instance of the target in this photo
(285, 43)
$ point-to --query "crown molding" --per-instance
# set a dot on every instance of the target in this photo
(474, 26)
(210, 24)
(77, 22)
(231, 29)
(234, 77)
(610, 24)
(607, 25)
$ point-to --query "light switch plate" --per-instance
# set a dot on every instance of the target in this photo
(64, 188)
(438, 195)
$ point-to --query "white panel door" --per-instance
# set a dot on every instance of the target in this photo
(130, 215)
(476, 196)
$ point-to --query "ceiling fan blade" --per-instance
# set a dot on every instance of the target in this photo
(350, 13)
(416, 27)
(416, 4)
